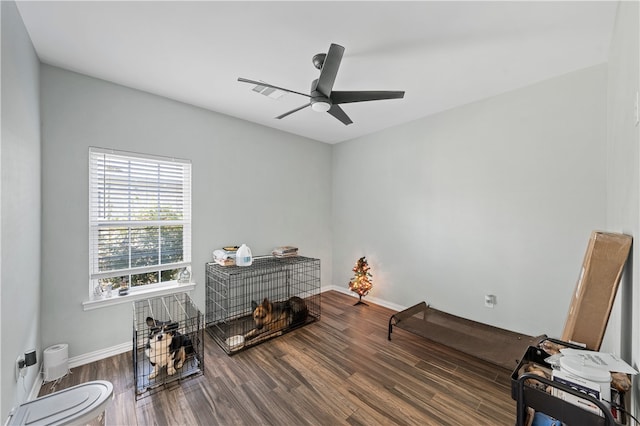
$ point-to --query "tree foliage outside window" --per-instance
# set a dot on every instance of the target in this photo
(140, 218)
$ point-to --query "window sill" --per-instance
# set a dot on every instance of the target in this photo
(89, 305)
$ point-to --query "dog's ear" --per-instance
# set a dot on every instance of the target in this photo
(151, 322)
(266, 305)
(254, 305)
(172, 326)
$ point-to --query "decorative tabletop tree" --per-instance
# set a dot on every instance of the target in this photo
(361, 281)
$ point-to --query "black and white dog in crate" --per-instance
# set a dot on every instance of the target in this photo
(166, 346)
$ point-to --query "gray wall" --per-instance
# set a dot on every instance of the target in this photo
(496, 197)
(623, 178)
(251, 185)
(20, 212)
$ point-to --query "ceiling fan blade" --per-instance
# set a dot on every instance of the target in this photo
(330, 69)
(363, 96)
(339, 113)
(293, 110)
(261, 83)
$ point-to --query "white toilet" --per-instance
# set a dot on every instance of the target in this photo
(83, 404)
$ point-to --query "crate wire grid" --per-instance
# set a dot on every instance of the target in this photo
(232, 289)
(178, 308)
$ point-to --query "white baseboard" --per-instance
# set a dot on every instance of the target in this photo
(99, 354)
(371, 299)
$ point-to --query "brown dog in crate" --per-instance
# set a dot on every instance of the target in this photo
(274, 316)
(166, 346)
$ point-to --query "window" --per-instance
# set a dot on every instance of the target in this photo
(139, 219)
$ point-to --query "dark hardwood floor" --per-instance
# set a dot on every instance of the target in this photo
(337, 371)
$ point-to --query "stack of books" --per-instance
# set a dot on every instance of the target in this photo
(285, 251)
(226, 256)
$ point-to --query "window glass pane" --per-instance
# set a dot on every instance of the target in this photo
(171, 192)
(113, 249)
(171, 242)
(116, 282)
(144, 246)
(142, 279)
(170, 275)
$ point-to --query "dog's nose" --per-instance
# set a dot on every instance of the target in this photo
(159, 336)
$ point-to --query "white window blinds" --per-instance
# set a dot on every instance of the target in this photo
(139, 218)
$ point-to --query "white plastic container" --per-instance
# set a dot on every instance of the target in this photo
(574, 365)
(83, 404)
(243, 256)
(56, 362)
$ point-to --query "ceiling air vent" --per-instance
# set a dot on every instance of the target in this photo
(269, 92)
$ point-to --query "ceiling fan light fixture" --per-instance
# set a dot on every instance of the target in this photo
(320, 106)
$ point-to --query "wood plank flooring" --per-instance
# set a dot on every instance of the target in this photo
(340, 370)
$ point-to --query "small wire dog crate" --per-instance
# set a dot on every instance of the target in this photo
(168, 341)
(284, 293)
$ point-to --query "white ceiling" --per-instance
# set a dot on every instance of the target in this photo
(443, 54)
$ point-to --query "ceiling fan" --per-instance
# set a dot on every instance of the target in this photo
(322, 97)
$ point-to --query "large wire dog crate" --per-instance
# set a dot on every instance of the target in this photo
(178, 353)
(291, 284)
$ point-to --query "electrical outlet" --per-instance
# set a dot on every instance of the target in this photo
(21, 368)
(489, 300)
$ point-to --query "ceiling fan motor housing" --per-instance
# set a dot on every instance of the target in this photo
(319, 102)
(318, 60)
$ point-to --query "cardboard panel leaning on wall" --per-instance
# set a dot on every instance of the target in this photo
(596, 289)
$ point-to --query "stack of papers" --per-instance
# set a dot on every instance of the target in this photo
(285, 251)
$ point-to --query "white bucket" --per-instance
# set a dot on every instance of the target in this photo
(56, 362)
